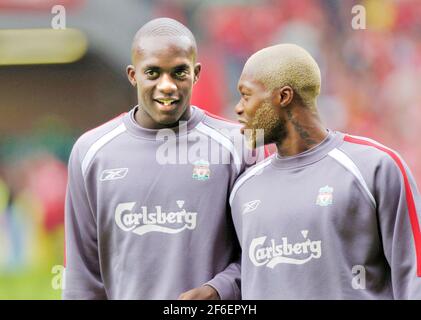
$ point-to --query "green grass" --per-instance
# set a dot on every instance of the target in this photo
(31, 284)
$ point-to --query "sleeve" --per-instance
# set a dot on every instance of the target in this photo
(82, 274)
(399, 206)
(227, 283)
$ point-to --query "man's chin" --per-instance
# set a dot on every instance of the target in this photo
(249, 137)
(168, 121)
(251, 144)
(171, 118)
(254, 138)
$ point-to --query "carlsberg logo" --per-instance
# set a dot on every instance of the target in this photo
(158, 221)
(270, 253)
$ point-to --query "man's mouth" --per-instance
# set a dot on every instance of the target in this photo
(166, 101)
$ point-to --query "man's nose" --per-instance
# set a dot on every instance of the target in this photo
(166, 85)
(239, 109)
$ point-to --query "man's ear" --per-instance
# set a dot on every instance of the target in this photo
(197, 69)
(131, 74)
(285, 96)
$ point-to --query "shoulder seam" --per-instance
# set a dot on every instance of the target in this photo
(346, 161)
(98, 144)
(247, 175)
(214, 116)
(371, 144)
(109, 121)
(223, 140)
(217, 130)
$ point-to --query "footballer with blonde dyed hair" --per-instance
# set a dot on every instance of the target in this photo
(294, 72)
(329, 215)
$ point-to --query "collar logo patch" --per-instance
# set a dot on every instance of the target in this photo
(325, 197)
(201, 170)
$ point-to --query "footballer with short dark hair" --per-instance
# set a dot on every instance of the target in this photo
(137, 228)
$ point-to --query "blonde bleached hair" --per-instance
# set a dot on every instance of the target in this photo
(287, 64)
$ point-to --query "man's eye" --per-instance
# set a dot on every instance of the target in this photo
(151, 73)
(180, 74)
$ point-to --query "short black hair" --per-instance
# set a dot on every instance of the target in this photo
(163, 27)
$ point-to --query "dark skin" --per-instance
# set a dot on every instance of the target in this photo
(200, 293)
(164, 71)
(298, 127)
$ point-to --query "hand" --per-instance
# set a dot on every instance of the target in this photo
(200, 293)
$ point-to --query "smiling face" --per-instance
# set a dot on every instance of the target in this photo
(164, 71)
(257, 110)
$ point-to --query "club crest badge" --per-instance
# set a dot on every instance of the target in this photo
(201, 170)
(325, 197)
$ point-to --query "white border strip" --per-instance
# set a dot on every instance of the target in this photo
(249, 173)
(220, 138)
(94, 148)
(347, 162)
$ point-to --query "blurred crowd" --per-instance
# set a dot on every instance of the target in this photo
(370, 77)
(370, 86)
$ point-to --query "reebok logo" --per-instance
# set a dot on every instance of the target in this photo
(113, 174)
(159, 221)
(271, 253)
(250, 206)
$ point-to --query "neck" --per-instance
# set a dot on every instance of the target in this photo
(304, 130)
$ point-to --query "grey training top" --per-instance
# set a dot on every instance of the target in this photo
(147, 213)
(340, 221)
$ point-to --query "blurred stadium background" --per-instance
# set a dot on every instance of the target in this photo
(371, 87)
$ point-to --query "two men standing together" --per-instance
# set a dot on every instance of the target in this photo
(292, 226)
